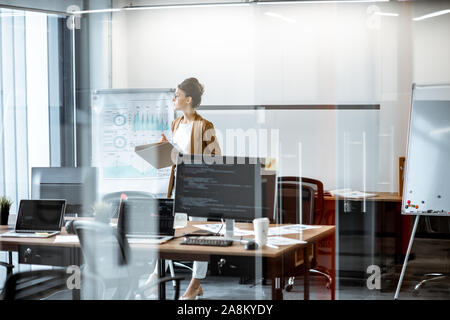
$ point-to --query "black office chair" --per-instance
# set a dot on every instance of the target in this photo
(34, 285)
(108, 258)
(312, 211)
(438, 229)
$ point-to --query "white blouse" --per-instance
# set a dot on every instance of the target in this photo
(182, 136)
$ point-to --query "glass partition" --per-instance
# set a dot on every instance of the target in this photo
(320, 92)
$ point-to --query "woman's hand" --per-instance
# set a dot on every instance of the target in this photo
(163, 138)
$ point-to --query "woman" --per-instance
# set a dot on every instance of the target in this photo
(194, 135)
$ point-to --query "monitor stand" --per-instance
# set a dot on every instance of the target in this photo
(229, 228)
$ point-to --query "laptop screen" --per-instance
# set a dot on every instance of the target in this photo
(142, 217)
(40, 215)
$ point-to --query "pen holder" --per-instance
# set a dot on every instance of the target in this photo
(4, 216)
(5, 205)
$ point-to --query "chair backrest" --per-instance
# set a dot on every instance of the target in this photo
(104, 249)
(34, 285)
(114, 199)
(288, 200)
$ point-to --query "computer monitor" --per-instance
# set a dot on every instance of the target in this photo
(77, 185)
(268, 197)
(141, 217)
(222, 187)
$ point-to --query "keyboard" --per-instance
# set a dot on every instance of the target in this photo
(207, 241)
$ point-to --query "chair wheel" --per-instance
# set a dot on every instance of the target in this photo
(289, 287)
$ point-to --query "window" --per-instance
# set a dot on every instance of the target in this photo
(36, 101)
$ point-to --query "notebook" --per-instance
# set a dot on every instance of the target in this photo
(159, 154)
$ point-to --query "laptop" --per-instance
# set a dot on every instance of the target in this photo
(38, 219)
(147, 221)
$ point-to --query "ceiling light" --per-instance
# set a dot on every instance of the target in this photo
(217, 4)
(431, 15)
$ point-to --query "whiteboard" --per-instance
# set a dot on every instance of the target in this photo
(427, 180)
(121, 120)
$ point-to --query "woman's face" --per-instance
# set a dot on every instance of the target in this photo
(180, 101)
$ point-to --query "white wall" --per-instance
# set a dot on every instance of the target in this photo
(309, 54)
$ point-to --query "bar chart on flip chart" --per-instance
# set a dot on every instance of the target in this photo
(123, 119)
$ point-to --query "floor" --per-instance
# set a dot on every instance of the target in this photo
(220, 288)
(431, 255)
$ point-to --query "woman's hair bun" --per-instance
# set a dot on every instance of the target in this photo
(194, 89)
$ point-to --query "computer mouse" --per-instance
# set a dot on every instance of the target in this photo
(251, 245)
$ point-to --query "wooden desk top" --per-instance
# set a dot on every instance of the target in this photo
(174, 247)
(380, 196)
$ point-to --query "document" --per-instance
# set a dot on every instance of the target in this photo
(349, 193)
(159, 154)
(282, 241)
(66, 239)
(289, 229)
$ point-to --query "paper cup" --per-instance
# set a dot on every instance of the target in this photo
(261, 227)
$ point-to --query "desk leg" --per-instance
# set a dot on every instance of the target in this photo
(277, 292)
(162, 274)
(307, 266)
(333, 267)
(402, 274)
(9, 270)
(76, 295)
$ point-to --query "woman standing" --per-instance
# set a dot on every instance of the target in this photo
(194, 135)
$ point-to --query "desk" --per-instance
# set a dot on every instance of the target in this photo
(370, 231)
(285, 256)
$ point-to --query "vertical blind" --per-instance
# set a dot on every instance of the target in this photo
(29, 102)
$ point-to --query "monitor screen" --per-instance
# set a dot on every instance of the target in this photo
(147, 217)
(77, 185)
(219, 187)
(40, 215)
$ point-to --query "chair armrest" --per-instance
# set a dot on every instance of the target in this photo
(6, 264)
(9, 267)
(177, 279)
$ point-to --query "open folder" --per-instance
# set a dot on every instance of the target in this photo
(159, 154)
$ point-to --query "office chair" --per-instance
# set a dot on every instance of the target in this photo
(312, 213)
(114, 198)
(108, 258)
(34, 285)
(434, 276)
